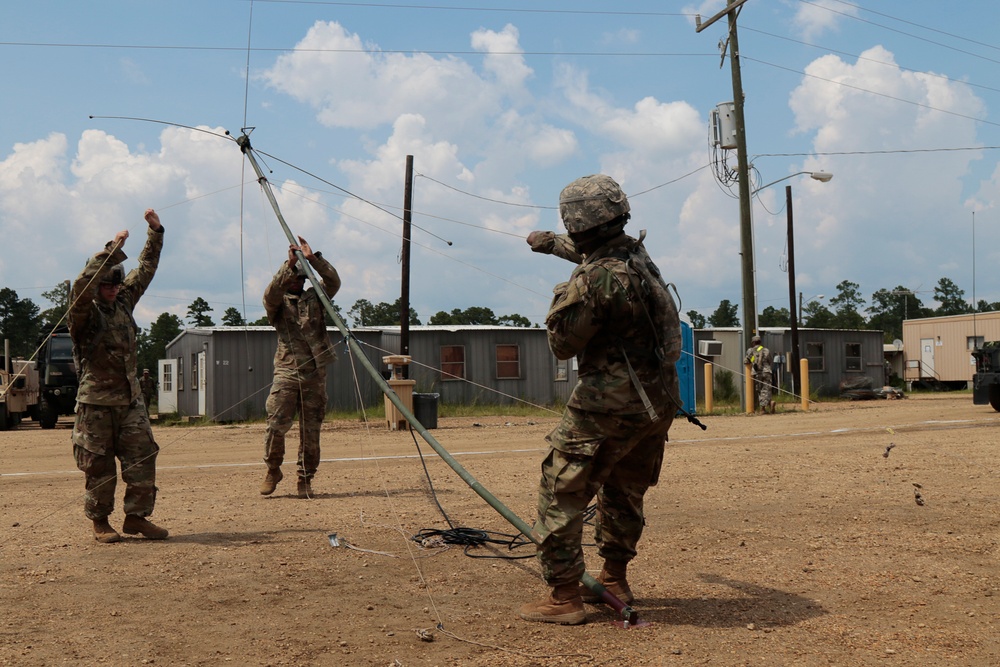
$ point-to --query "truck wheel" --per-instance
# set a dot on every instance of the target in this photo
(47, 414)
(4, 418)
(995, 396)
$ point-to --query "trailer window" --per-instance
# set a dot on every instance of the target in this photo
(562, 370)
(814, 355)
(852, 357)
(452, 362)
(508, 362)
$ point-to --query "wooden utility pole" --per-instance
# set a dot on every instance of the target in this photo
(793, 363)
(404, 297)
(743, 171)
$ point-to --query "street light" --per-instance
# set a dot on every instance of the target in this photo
(808, 301)
(821, 176)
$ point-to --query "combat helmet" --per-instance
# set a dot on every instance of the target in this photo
(116, 276)
(591, 201)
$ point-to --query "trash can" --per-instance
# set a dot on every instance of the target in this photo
(425, 409)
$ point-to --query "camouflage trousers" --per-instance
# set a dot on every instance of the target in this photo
(289, 397)
(103, 433)
(763, 391)
(613, 457)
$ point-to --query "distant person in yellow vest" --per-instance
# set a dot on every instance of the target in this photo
(759, 358)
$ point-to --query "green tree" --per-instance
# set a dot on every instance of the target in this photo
(985, 306)
(152, 346)
(58, 296)
(951, 298)
(888, 309)
(724, 316)
(514, 320)
(19, 323)
(774, 317)
(233, 318)
(198, 312)
(846, 305)
(697, 319)
(261, 321)
(365, 314)
(815, 315)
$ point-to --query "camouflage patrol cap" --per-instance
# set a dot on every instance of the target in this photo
(591, 201)
(116, 276)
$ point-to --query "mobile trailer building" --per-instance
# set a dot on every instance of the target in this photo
(938, 350)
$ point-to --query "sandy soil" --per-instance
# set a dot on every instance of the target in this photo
(794, 539)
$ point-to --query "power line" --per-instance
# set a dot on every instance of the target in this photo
(871, 60)
(900, 32)
(872, 92)
(882, 152)
(914, 24)
(433, 52)
(511, 10)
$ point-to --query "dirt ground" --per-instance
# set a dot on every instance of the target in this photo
(854, 534)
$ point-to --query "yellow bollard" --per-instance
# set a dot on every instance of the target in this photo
(748, 389)
(804, 381)
(709, 389)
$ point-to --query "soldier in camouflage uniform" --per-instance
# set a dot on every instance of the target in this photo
(759, 359)
(304, 350)
(147, 383)
(610, 441)
(111, 420)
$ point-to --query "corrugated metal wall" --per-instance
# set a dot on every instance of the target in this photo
(240, 367)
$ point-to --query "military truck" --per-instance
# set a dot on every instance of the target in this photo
(57, 378)
(18, 389)
(986, 379)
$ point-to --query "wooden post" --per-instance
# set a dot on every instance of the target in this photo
(749, 389)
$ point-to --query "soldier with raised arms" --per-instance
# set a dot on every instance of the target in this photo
(111, 418)
(300, 361)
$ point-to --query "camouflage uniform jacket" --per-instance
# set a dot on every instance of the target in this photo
(303, 342)
(104, 333)
(599, 317)
(147, 383)
(759, 358)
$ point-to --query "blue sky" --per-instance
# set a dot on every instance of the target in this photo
(501, 105)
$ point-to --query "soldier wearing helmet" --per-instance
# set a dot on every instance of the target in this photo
(111, 418)
(759, 359)
(300, 361)
(610, 441)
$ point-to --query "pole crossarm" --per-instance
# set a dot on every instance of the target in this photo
(699, 25)
(627, 613)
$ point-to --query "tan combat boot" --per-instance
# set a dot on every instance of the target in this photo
(135, 524)
(304, 488)
(270, 481)
(104, 533)
(563, 605)
(612, 577)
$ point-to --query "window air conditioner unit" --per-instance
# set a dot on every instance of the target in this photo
(710, 348)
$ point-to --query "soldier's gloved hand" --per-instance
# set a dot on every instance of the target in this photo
(542, 242)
